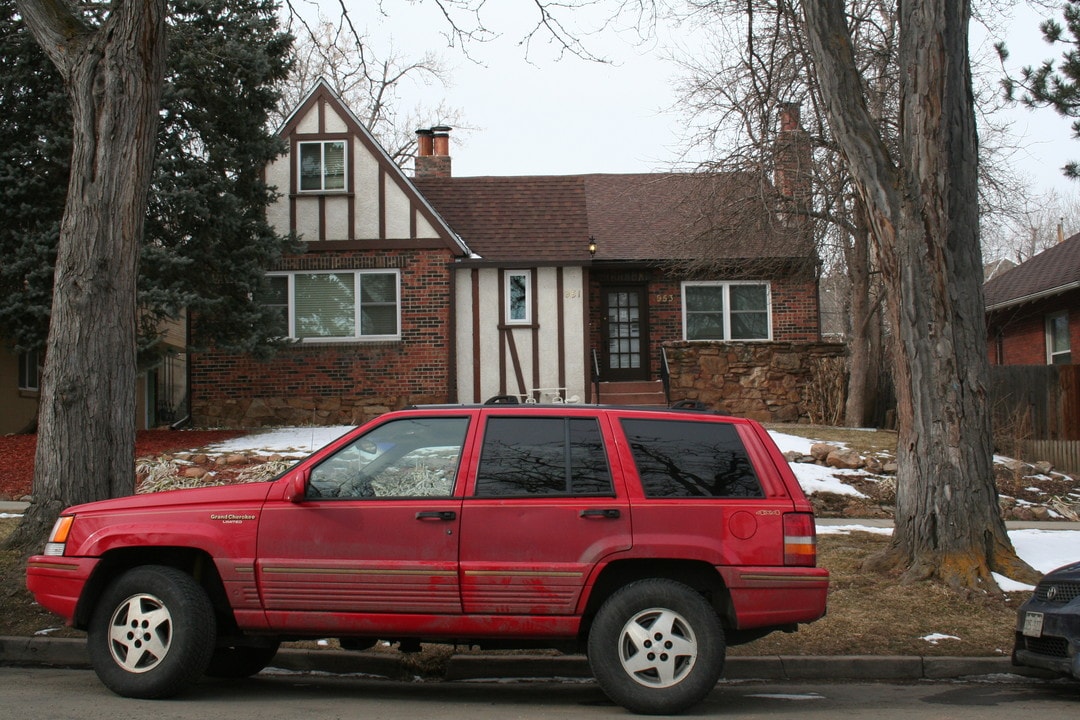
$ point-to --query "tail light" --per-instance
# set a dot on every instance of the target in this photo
(800, 540)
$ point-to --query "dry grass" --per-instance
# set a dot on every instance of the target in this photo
(868, 614)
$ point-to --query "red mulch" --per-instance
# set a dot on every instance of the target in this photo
(17, 453)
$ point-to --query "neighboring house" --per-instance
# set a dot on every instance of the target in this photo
(444, 289)
(160, 392)
(1033, 310)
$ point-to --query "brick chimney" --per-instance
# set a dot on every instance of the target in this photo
(433, 152)
(792, 163)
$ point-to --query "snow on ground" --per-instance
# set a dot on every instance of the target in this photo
(289, 442)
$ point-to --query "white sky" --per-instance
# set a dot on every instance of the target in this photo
(571, 116)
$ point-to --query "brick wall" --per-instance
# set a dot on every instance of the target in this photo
(1017, 335)
(767, 382)
(338, 383)
(795, 313)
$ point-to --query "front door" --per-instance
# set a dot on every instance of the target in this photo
(626, 333)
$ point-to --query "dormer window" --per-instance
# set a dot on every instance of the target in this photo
(321, 165)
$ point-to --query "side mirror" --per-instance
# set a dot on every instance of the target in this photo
(296, 490)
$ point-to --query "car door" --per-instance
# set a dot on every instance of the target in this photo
(543, 509)
(376, 530)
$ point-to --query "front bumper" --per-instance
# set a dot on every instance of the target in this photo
(1056, 647)
(57, 582)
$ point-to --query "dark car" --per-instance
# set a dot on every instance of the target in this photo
(1048, 624)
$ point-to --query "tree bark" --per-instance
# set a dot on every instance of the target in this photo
(923, 214)
(86, 432)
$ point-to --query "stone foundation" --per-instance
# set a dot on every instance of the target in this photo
(763, 381)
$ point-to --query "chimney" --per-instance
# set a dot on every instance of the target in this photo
(792, 159)
(433, 152)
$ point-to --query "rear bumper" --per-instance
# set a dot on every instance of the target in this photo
(57, 582)
(774, 596)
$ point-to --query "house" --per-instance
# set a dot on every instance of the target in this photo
(1033, 309)
(438, 288)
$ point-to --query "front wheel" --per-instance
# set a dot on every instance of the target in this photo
(152, 633)
(656, 647)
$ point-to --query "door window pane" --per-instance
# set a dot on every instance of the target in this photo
(525, 456)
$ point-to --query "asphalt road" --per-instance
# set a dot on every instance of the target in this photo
(46, 693)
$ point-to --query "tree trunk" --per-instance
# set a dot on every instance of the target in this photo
(862, 363)
(86, 430)
(924, 220)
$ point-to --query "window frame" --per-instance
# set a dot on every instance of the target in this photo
(1051, 354)
(322, 143)
(727, 311)
(508, 287)
(29, 368)
(358, 305)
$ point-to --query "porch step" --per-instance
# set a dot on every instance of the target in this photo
(649, 393)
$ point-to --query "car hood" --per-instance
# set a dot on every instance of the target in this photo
(1070, 572)
(218, 495)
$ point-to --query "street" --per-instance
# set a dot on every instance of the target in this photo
(32, 693)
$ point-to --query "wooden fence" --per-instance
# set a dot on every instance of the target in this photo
(1037, 407)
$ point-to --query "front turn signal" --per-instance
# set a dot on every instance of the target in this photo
(59, 535)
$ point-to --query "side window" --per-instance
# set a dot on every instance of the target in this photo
(414, 457)
(677, 458)
(526, 456)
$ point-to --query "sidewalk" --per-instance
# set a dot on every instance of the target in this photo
(71, 653)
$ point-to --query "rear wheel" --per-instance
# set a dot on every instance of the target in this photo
(656, 647)
(152, 633)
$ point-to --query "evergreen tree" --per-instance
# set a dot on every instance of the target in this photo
(35, 151)
(1047, 85)
(206, 242)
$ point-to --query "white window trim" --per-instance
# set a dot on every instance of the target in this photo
(1050, 354)
(726, 285)
(358, 274)
(527, 320)
(322, 163)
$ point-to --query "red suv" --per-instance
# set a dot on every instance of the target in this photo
(650, 539)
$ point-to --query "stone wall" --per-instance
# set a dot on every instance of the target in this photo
(768, 382)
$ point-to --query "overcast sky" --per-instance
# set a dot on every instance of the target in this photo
(570, 116)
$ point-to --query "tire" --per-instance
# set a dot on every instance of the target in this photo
(656, 647)
(240, 661)
(152, 633)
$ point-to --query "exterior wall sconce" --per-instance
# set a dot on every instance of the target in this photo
(592, 246)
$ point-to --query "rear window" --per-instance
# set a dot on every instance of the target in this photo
(677, 458)
(528, 456)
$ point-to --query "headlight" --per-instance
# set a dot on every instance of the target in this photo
(59, 535)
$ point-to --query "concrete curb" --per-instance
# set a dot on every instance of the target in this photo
(71, 653)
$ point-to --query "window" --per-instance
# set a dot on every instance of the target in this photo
(726, 311)
(676, 458)
(414, 457)
(1058, 345)
(526, 456)
(518, 305)
(28, 371)
(322, 165)
(340, 305)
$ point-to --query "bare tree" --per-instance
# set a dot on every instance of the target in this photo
(923, 211)
(371, 85)
(112, 63)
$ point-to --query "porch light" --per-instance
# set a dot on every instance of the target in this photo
(592, 246)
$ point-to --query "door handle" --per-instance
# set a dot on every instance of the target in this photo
(436, 515)
(602, 513)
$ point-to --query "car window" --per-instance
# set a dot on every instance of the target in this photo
(678, 458)
(543, 456)
(412, 457)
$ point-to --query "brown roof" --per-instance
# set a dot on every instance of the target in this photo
(1051, 272)
(643, 217)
